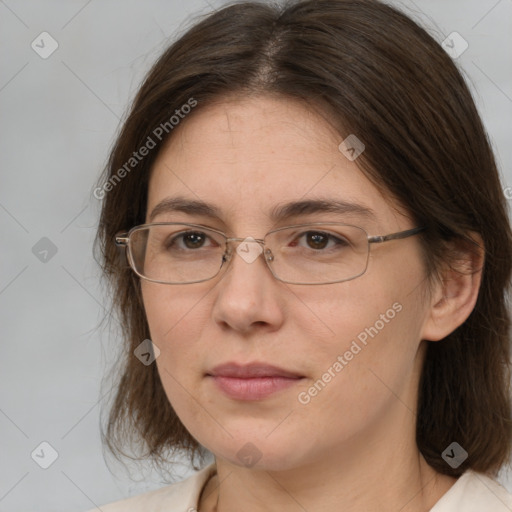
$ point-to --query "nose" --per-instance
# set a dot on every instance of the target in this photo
(248, 296)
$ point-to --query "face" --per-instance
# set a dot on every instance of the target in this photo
(350, 349)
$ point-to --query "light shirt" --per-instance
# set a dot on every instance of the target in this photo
(472, 492)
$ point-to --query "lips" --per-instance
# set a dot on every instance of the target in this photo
(250, 371)
(251, 382)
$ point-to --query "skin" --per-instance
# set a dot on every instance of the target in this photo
(352, 447)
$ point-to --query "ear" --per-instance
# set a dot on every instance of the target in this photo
(454, 295)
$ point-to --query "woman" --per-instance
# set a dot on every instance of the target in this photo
(318, 248)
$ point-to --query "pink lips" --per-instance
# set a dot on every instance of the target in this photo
(253, 381)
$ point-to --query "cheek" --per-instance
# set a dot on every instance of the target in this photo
(175, 319)
(372, 346)
(360, 377)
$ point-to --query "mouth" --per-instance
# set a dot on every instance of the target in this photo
(254, 381)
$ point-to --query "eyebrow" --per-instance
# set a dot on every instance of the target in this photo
(278, 213)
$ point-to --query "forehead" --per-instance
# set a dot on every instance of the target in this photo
(250, 156)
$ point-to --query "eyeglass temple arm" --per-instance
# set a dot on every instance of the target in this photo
(394, 236)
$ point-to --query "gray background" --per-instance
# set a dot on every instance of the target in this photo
(59, 116)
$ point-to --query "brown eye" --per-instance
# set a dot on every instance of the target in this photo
(194, 240)
(317, 240)
(189, 240)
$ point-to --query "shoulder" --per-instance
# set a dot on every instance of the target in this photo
(180, 496)
(475, 492)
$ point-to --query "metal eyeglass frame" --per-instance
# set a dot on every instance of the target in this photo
(122, 239)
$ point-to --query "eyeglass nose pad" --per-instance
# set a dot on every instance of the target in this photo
(228, 254)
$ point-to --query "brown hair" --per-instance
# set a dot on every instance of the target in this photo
(383, 78)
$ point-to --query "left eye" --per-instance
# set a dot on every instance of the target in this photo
(319, 240)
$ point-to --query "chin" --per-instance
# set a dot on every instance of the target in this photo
(258, 452)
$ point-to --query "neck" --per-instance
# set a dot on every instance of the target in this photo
(382, 472)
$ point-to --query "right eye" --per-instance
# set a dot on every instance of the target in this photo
(189, 240)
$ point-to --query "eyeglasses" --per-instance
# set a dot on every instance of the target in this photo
(317, 253)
